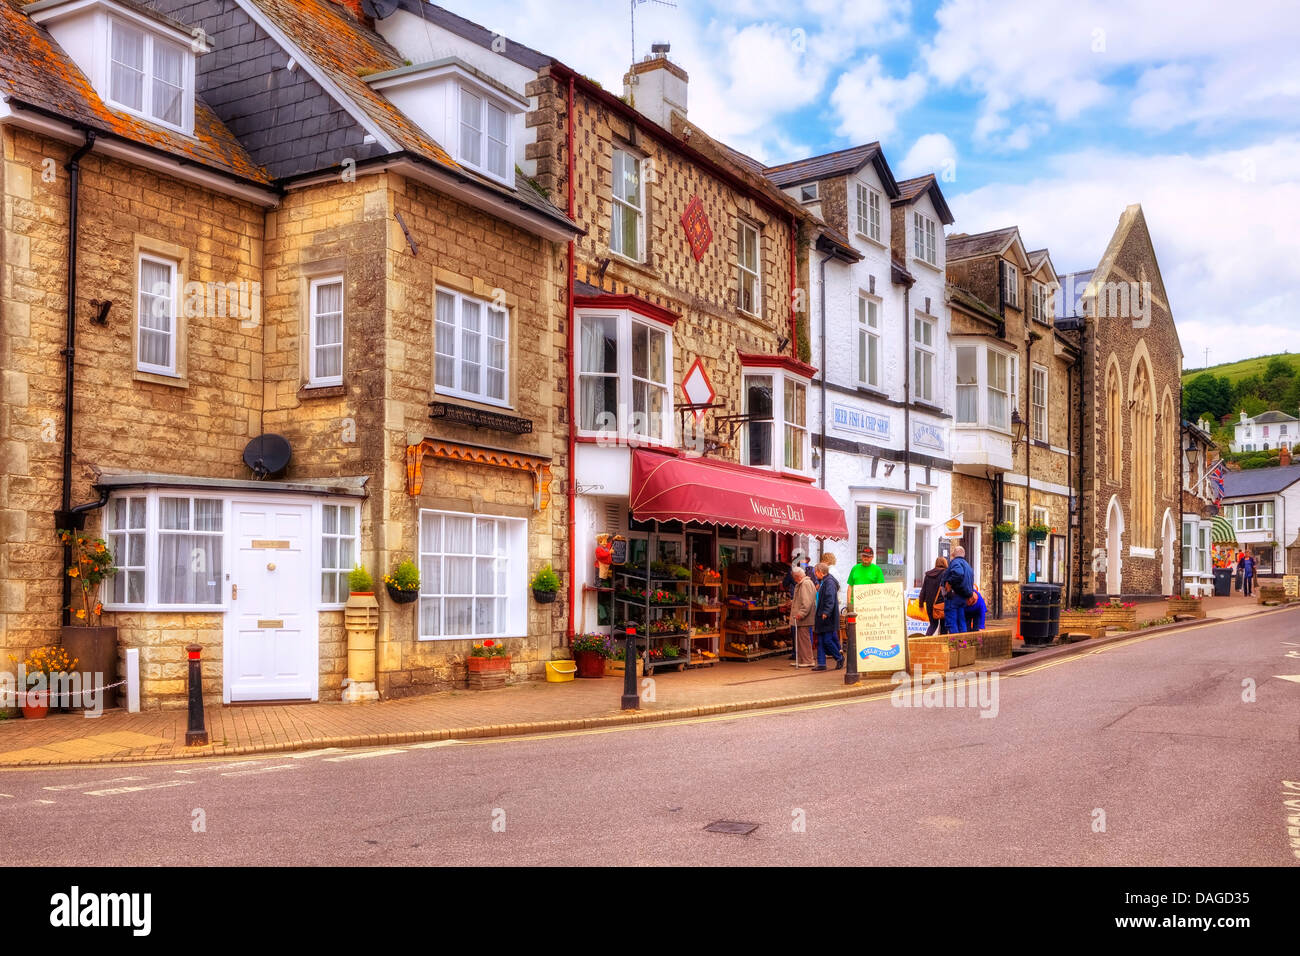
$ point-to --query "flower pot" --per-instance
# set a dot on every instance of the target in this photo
(544, 597)
(954, 658)
(486, 673)
(399, 596)
(590, 663)
(35, 704)
(95, 649)
(965, 656)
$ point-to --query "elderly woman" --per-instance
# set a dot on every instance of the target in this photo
(803, 613)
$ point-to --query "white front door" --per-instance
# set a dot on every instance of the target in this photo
(271, 650)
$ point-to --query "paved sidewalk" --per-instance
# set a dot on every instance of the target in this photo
(529, 708)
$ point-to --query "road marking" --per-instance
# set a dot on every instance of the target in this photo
(245, 773)
(92, 783)
(114, 791)
(7, 796)
(363, 756)
(44, 801)
(1291, 677)
(313, 753)
(429, 745)
(212, 768)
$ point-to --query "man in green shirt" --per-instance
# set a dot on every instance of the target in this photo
(866, 571)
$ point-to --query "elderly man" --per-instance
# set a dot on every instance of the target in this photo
(803, 613)
(959, 587)
(826, 628)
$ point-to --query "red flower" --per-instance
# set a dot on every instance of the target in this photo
(489, 643)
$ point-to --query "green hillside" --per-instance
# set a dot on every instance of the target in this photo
(1236, 371)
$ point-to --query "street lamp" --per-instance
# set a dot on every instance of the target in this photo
(631, 699)
(1018, 427)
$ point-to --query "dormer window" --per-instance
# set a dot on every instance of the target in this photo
(147, 74)
(484, 134)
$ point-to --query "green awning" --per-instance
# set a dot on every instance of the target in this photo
(1221, 531)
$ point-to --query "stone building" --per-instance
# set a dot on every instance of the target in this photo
(1131, 421)
(1015, 435)
(1199, 456)
(277, 233)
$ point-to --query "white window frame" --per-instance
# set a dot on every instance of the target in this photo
(514, 622)
(1011, 549)
(868, 212)
(1011, 284)
(1038, 411)
(868, 335)
(1253, 516)
(923, 357)
(153, 533)
(924, 502)
(457, 389)
(808, 192)
(622, 432)
(924, 242)
(118, 540)
(791, 386)
(982, 385)
(745, 275)
(781, 380)
(1040, 301)
(481, 134)
(148, 78)
(338, 537)
(620, 202)
(314, 343)
(173, 268)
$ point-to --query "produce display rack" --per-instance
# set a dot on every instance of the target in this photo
(706, 620)
(757, 615)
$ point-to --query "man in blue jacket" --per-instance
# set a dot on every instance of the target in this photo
(826, 625)
(959, 583)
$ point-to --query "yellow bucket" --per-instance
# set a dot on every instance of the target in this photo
(557, 672)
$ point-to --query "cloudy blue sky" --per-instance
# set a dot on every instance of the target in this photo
(1052, 115)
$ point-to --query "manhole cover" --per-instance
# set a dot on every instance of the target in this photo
(731, 826)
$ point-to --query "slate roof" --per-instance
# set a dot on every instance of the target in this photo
(910, 189)
(1259, 481)
(963, 246)
(35, 73)
(1036, 258)
(1073, 285)
(469, 30)
(828, 165)
(1269, 417)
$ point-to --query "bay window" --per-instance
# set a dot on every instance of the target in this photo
(471, 341)
(473, 572)
(923, 359)
(1001, 389)
(796, 424)
(765, 391)
(968, 390)
(1252, 516)
(190, 550)
(126, 531)
(758, 429)
(623, 368)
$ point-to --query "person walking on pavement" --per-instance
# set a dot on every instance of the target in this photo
(932, 595)
(826, 628)
(803, 614)
(1248, 573)
(959, 588)
(976, 613)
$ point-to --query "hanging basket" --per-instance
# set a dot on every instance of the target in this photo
(1002, 536)
(1037, 535)
(399, 596)
(544, 597)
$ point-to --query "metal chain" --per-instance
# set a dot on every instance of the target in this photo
(70, 693)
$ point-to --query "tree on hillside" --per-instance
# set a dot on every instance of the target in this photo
(1208, 394)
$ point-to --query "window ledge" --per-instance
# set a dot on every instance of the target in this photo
(639, 266)
(1136, 552)
(873, 392)
(933, 267)
(158, 378)
(486, 405)
(322, 391)
(865, 238)
(923, 405)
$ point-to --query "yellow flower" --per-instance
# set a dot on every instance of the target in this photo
(73, 572)
(81, 613)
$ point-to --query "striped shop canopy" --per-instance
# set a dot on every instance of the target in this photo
(1221, 531)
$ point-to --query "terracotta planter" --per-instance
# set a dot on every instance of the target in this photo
(37, 710)
(590, 663)
(486, 673)
(95, 649)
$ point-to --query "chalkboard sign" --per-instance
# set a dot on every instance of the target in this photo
(618, 550)
(1291, 585)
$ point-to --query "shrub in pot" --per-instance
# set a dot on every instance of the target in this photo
(403, 583)
(545, 584)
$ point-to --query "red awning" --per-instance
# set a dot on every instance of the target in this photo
(672, 488)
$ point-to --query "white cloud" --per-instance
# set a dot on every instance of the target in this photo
(1221, 224)
(868, 101)
(931, 153)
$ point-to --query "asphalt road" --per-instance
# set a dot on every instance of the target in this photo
(1138, 753)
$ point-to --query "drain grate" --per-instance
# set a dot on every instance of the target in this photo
(732, 826)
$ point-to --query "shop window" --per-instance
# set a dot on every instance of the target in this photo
(885, 528)
(471, 345)
(473, 569)
(326, 332)
(338, 551)
(622, 369)
(627, 230)
(156, 316)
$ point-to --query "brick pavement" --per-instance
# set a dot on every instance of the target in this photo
(533, 707)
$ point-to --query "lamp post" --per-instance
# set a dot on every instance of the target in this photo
(631, 699)
(851, 675)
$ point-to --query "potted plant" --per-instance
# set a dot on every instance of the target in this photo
(488, 665)
(92, 643)
(50, 663)
(545, 584)
(589, 653)
(361, 621)
(1004, 531)
(1038, 532)
(403, 583)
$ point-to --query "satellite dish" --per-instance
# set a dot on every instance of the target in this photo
(267, 455)
(379, 9)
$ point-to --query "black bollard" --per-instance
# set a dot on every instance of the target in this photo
(196, 734)
(851, 675)
(631, 699)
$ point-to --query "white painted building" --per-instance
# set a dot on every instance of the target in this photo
(1265, 431)
(1263, 506)
(880, 405)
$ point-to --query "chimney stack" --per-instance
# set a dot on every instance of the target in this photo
(656, 87)
(1284, 455)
